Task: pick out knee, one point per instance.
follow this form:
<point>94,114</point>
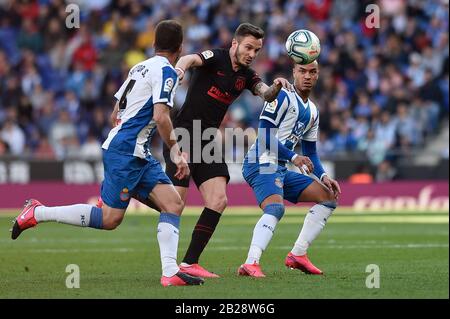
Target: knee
<point>175,206</point>
<point>218,203</point>
<point>111,222</point>
<point>328,201</point>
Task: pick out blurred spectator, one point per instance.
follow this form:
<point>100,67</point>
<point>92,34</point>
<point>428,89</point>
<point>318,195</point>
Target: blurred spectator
<point>385,130</point>
<point>44,149</point>
<point>385,172</point>
<point>63,135</point>
<point>29,37</point>
<point>381,91</point>
<point>85,55</point>
<point>13,135</point>
<point>91,149</point>
<point>374,148</point>
<point>4,148</point>
<point>406,125</point>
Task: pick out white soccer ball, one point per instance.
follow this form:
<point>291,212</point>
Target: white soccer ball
<point>303,46</point>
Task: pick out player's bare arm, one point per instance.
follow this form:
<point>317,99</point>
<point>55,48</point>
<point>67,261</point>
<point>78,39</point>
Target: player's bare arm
<point>162,118</point>
<point>113,117</point>
<point>269,93</point>
<point>186,62</point>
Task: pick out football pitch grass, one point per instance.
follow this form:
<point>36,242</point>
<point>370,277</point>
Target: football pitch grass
<point>410,249</point>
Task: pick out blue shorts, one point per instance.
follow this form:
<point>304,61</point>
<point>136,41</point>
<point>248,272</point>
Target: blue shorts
<point>126,175</point>
<point>266,180</point>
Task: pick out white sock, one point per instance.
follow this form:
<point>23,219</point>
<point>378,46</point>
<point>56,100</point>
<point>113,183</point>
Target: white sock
<point>314,222</point>
<point>262,234</point>
<point>168,236</point>
<point>78,215</point>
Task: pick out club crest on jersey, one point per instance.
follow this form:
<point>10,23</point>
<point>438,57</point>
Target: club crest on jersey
<point>278,182</point>
<point>271,107</point>
<point>299,129</point>
<point>124,195</point>
<point>168,85</point>
<point>240,83</point>
<point>207,54</point>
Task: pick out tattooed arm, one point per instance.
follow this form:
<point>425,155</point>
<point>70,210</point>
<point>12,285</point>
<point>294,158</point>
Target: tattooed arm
<point>269,93</point>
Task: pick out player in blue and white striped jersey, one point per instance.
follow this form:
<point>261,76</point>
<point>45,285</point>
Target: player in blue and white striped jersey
<point>144,102</point>
<point>286,121</point>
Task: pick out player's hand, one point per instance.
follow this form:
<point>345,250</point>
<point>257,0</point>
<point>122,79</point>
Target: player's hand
<point>332,185</point>
<point>282,82</point>
<point>182,166</point>
<point>304,164</point>
<point>180,73</point>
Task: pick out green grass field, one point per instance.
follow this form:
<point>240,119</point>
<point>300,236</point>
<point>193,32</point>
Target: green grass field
<point>411,250</point>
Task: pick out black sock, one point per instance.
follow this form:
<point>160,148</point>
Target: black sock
<point>203,231</point>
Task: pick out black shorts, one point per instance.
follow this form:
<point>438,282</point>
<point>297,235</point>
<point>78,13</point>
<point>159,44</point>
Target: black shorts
<point>200,172</point>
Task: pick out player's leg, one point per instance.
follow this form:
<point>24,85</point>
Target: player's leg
<point>314,222</point>
<point>155,183</point>
<point>115,195</point>
<point>268,189</point>
<point>211,180</point>
<point>168,236</point>
<point>273,208</point>
<point>82,215</point>
<point>214,196</point>
<point>154,202</point>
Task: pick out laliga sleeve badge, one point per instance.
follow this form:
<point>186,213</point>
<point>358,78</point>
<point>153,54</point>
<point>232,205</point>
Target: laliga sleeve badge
<point>168,85</point>
<point>271,107</point>
<point>207,54</point>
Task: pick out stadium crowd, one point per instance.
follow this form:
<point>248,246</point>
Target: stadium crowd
<point>383,92</point>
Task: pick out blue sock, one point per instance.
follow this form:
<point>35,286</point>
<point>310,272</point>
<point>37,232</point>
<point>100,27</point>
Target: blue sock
<point>170,219</point>
<point>96,219</point>
<point>275,209</point>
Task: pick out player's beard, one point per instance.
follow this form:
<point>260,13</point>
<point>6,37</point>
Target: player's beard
<point>237,56</point>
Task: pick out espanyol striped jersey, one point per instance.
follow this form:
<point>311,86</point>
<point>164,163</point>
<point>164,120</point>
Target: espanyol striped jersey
<point>149,82</point>
<point>294,119</point>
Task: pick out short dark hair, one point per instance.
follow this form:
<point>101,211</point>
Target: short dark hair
<point>168,36</point>
<point>246,29</point>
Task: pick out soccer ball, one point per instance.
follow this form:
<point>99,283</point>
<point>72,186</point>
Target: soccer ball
<point>303,46</point>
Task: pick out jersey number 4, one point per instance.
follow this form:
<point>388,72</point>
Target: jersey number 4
<point>123,99</point>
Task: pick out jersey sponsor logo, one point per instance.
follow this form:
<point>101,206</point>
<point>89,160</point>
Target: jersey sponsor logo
<point>168,85</point>
<point>218,95</point>
<point>271,107</point>
<point>207,54</point>
<point>240,83</point>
